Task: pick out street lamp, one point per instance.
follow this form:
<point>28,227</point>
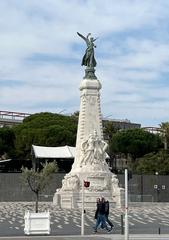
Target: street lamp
<point>157,186</point>
<point>141,187</point>
<point>126,206</point>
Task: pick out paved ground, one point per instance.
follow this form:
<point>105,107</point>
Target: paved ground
<point>142,220</point>
<point>91,237</point>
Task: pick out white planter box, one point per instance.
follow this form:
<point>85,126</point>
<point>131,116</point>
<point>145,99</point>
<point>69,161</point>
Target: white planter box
<point>37,223</point>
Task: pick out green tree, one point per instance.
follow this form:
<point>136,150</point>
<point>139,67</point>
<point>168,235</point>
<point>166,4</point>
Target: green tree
<point>76,114</point>
<point>108,130</point>
<point>165,134</point>
<point>154,162</point>
<point>135,143</point>
<point>44,129</point>
<point>39,180</point>
<point>7,138</point>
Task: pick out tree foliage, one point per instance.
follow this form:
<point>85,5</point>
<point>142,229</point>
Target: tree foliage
<point>38,180</point>
<point>154,162</point>
<point>165,127</point>
<point>49,129</point>
<point>109,130</point>
<point>44,129</point>
<point>7,138</point>
<point>135,142</point>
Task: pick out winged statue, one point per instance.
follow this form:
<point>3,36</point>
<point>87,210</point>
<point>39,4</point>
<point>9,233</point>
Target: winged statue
<point>88,58</point>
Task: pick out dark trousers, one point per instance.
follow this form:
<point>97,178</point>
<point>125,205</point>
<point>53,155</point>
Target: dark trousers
<point>108,221</point>
<point>101,221</point>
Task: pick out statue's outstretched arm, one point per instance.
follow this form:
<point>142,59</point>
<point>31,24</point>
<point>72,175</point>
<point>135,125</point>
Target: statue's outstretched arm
<point>95,39</point>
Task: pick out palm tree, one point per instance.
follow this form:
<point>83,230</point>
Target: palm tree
<point>165,133</point>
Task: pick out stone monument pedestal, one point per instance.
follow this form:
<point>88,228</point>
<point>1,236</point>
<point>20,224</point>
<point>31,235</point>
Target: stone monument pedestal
<point>89,164</point>
<point>99,187</point>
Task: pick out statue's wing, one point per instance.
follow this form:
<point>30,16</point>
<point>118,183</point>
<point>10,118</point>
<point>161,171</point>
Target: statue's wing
<point>80,35</point>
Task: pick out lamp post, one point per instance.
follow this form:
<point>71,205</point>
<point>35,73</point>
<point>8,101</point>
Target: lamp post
<point>157,188</point>
<point>82,216</point>
<point>141,187</point>
<point>85,184</point>
<point>126,206</point>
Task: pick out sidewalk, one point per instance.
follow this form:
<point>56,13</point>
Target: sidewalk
<point>144,223</point>
<point>92,237</point>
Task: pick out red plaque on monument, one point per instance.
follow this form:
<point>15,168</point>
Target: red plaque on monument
<point>86,184</point>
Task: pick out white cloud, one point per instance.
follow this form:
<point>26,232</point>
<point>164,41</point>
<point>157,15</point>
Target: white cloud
<point>132,54</point>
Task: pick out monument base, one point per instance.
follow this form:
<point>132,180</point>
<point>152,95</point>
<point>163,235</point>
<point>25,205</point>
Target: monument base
<point>73,200</point>
<point>102,184</point>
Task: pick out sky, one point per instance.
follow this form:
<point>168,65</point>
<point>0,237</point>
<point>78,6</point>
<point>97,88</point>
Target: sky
<point>41,53</point>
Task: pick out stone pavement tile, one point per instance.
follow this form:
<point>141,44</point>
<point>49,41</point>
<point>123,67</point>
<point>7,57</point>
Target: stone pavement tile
<point>96,237</point>
<point>68,222</point>
<point>91,237</point>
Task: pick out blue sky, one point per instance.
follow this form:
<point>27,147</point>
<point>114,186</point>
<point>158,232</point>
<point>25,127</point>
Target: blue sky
<point>40,56</point>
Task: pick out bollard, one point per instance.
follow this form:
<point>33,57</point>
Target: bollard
<point>159,230</point>
<point>122,225</point>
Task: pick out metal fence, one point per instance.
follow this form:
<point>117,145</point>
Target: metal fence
<point>142,188</point>
<point>147,188</point>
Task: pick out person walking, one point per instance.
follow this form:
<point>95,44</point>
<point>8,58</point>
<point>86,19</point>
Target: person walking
<point>97,207</point>
<point>100,215</point>
<point>107,215</point>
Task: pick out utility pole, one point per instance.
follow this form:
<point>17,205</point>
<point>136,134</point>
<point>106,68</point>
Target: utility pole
<point>85,184</point>
<point>126,206</point>
<point>82,216</point>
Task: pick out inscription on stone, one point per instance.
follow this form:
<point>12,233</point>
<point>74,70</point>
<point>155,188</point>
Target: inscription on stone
<point>96,181</point>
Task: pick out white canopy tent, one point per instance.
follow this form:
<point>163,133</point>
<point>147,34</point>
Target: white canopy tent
<point>5,160</point>
<point>53,152</point>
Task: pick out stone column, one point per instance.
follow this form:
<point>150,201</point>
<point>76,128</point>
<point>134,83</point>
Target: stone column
<point>90,117</point>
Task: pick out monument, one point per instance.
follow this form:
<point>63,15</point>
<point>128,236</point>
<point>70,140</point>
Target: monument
<point>89,163</point>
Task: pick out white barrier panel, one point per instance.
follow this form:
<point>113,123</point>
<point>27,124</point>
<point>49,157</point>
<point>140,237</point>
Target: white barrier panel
<point>37,223</point>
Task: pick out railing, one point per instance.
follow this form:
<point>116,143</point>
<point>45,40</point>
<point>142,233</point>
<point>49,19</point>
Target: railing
<point>140,198</point>
<point>9,118</point>
<point>13,115</point>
